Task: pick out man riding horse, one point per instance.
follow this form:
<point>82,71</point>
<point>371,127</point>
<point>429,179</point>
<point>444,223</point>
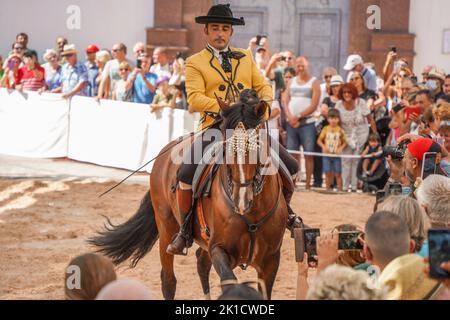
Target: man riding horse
<point>219,72</point>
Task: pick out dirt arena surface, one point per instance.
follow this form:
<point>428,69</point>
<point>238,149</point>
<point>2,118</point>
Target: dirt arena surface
<point>43,224</point>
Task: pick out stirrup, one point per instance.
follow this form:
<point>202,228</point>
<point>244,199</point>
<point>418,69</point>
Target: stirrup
<point>187,244</point>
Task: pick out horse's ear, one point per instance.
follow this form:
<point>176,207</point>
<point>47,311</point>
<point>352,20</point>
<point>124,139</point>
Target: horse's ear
<point>222,104</point>
<point>261,108</point>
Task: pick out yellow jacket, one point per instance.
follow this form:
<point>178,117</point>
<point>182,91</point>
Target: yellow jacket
<point>203,81</point>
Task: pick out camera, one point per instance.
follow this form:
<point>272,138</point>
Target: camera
<point>283,58</point>
<point>349,240</point>
<point>396,152</point>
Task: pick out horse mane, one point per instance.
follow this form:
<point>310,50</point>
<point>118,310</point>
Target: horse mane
<point>247,110</point>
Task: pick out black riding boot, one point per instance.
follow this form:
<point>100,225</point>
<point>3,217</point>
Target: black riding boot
<point>183,239</point>
<point>293,221</point>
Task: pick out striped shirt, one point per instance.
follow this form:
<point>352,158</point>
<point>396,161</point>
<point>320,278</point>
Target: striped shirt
<point>27,78</point>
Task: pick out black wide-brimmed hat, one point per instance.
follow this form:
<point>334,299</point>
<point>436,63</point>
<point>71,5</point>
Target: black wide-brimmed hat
<point>220,13</point>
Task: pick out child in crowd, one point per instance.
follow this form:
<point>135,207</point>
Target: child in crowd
<point>332,141</point>
<point>166,95</point>
<point>375,160</point>
<point>123,89</point>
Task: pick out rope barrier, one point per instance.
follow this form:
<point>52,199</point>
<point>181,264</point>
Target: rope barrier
<point>332,155</point>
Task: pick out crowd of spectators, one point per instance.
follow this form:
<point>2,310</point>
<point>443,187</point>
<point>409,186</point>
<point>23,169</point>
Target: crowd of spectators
<point>322,116</point>
<point>367,112</point>
<point>97,73</point>
<point>392,264</point>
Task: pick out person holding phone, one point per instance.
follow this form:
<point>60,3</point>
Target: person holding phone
<point>31,77</point>
<point>11,73</point>
<point>143,81</point>
<point>408,170</point>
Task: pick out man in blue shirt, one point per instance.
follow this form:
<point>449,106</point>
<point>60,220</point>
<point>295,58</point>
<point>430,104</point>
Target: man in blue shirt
<point>92,70</point>
<point>74,75</point>
<point>356,63</point>
<point>144,82</point>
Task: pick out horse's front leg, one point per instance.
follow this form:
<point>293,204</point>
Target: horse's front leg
<point>222,264</point>
<point>268,272</point>
<point>203,269</point>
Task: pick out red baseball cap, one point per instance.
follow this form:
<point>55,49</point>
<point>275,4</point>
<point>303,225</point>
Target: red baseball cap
<point>420,146</point>
<point>92,48</point>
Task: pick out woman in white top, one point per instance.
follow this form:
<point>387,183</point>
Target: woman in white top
<point>355,119</point>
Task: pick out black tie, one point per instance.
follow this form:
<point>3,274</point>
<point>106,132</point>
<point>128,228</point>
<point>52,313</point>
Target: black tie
<point>226,56</point>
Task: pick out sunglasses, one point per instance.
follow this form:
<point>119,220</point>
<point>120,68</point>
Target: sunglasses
<point>328,77</point>
<point>124,69</point>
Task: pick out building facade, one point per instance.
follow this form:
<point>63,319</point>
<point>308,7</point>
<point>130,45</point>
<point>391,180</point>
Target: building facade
<point>325,31</point>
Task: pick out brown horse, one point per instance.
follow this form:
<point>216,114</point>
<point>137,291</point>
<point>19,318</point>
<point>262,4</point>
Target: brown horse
<point>245,223</point>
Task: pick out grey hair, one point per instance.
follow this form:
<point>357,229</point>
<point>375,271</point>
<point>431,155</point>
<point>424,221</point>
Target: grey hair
<point>412,213</point>
<point>343,283</point>
<point>331,70</point>
<point>434,193</point>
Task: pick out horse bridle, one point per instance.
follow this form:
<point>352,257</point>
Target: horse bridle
<point>252,227</point>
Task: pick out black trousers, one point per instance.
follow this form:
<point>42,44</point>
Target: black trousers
<point>189,165</point>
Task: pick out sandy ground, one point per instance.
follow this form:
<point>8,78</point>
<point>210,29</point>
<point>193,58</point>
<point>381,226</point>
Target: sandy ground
<point>43,224</point>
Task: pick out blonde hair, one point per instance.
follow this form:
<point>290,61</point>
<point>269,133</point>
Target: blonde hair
<point>125,64</point>
<point>103,56</point>
<point>95,271</point>
<point>343,283</point>
<point>409,211</point>
<point>442,111</point>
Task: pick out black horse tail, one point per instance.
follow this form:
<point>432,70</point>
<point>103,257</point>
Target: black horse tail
<point>134,238</point>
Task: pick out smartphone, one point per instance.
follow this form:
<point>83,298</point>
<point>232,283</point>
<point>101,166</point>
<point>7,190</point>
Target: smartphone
<point>438,252</point>
<point>305,240</point>
<point>395,189</point>
<point>310,244</point>
<point>349,240</point>
<point>258,40</point>
<point>11,64</point>
<point>410,110</point>
<point>394,49</point>
<point>428,164</point>
<point>398,107</point>
<point>139,63</point>
<point>380,195</point>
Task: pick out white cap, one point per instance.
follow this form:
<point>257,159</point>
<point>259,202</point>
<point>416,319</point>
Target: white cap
<point>352,61</point>
<point>336,80</point>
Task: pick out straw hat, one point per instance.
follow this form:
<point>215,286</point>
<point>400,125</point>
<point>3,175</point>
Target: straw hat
<point>406,279</point>
<point>69,49</point>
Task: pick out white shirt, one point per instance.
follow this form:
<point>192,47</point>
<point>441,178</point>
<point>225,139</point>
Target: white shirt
<point>161,71</point>
<point>217,52</point>
<point>301,97</point>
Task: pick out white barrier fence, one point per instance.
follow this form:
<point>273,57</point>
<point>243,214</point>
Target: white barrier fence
<point>109,133</point>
